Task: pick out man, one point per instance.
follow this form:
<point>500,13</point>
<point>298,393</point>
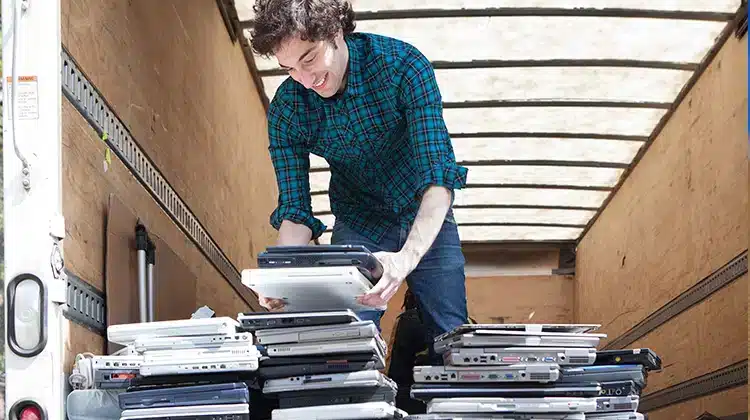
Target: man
<point>369,105</point>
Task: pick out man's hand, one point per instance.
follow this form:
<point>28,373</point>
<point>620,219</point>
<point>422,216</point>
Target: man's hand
<point>272,304</point>
<point>396,266</point>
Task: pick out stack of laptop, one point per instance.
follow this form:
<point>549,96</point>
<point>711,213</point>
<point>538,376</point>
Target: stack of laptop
<point>192,369</point>
<point>529,371</point>
<point>322,365</point>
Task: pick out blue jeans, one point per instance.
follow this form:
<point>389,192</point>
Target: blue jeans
<point>438,282</point>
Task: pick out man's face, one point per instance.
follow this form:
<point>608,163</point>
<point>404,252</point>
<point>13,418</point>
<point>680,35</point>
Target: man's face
<point>315,65</point>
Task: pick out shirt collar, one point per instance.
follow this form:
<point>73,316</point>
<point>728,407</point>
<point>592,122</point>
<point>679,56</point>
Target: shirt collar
<point>355,83</point>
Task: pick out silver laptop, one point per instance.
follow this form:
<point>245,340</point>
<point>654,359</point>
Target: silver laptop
<point>610,404</point>
<point>491,338</point>
<point>487,374</point>
<point>207,412</point>
<point>515,416</point>
<point>360,411</point>
<point>529,328</point>
<point>615,416</point>
<point>512,405</point>
<point>470,356</point>
<point>360,329</point>
<point>359,379</point>
<point>374,345</point>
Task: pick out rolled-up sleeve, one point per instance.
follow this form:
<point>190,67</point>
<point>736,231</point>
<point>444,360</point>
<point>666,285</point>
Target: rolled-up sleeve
<point>428,135</point>
<point>291,163</point>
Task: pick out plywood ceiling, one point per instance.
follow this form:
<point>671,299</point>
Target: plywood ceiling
<point>549,102</point>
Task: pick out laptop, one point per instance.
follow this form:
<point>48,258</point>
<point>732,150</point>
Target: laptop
<point>497,338</point>
<point>614,404</point>
<point>357,345</point>
<point>125,334</point>
<point>515,416</point>
<point>511,405</point>
<point>360,379</point>
<point>347,395</point>
<point>616,416</point>
<point>645,357</point>
<point>283,367</point>
<point>146,344</point>
<point>229,393</point>
<point>472,356</point>
<point>529,328</point>
<point>231,349</point>
<point>426,392</point>
<point>323,256</point>
<point>487,374</point>
<point>352,330</point>
<point>258,321</point>
<point>619,388</point>
<point>193,412</point>
<point>609,373</point>
<point>362,411</point>
<point>200,363</point>
<point>310,289</point>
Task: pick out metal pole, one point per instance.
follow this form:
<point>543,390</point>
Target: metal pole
<point>141,243</point>
<point>150,261</point>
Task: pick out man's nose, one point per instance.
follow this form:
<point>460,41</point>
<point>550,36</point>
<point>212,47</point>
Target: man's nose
<point>307,79</point>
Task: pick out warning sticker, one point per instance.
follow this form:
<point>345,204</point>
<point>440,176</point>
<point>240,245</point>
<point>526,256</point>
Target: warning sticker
<point>27,97</point>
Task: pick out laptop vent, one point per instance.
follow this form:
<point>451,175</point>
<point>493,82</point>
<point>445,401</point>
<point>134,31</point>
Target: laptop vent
<point>578,360</point>
<point>539,376</point>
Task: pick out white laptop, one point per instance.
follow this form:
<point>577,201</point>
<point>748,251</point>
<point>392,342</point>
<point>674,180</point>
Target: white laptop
<point>310,288</point>
<point>200,363</point>
<point>353,330</point>
<point>145,344</point>
<point>125,334</point>
<point>360,411</point>
<point>229,349</point>
<point>512,405</point>
<point>195,412</point>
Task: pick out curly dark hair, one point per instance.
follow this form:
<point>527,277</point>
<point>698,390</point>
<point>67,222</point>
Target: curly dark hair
<point>312,20</point>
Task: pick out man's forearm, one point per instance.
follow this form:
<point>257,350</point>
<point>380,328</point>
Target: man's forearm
<point>435,203</point>
<point>291,233</point>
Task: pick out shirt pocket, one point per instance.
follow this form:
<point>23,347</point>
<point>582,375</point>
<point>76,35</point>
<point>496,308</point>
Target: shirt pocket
<point>374,120</point>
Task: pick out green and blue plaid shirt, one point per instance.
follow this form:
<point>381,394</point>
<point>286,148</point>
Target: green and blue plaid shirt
<point>383,137</point>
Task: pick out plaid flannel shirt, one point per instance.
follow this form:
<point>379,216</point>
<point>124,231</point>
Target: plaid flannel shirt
<point>383,137</point>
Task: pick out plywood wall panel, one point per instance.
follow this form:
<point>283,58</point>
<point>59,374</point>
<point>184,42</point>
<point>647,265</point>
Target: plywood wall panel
<point>170,71</point>
<point>705,338</point>
<point>521,299</point>
<point>681,214</point>
<point>86,190</point>
<point>726,403</point>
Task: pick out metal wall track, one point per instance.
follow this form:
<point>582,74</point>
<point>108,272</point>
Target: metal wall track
<point>94,108</point>
<point>696,294</point>
<point>728,377</point>
<point>86,305</point>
